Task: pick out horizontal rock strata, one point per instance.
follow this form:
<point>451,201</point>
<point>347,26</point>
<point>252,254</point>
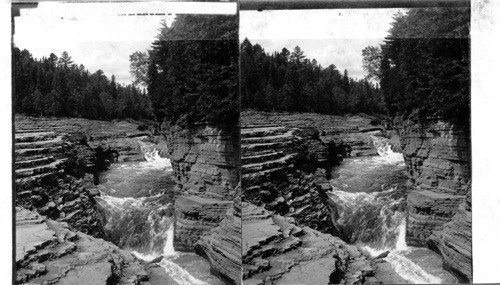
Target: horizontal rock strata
<point>205,162</point>
<point>438,162</point>
<point>49,252</point>
<point>287,224</point>
<point>277,251</point>
<point>454,242</point>
<point>57,163</point>
<point>351,135</point>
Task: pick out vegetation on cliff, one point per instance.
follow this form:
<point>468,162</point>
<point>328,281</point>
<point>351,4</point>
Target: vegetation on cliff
<point>424,64</point>
<point>193,70</point>
<point>58,87</point>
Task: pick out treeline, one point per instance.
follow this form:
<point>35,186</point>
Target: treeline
<point>288,81</point>
<point>58,87</point>
<point>192,74</point>
<point>424,64</point>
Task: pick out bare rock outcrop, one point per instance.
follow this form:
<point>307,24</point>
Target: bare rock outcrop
<point>438,162</point>
<point>57,161</point>
<point>349,135</point>
<point>205,162</point>
<point>453,242</point>
<point>278,251</point>
<point>49,252</point>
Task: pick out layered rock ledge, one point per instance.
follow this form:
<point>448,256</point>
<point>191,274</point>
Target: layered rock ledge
<point>49,252</point>
<point>57,161</point>
<point>205,162</point>
<point>287,219</point>
<point>438,162</point>
<point>278,251</point>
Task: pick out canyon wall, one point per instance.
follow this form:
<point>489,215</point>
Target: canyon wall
<point>57,162</point>
<point>205,162</point>
<point>58,223</point>
<point>437,157</point>
<point>50,252</point>
<point>287,221</point>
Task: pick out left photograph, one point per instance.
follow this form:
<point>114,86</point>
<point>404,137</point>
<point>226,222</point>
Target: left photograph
<point>126,152</point>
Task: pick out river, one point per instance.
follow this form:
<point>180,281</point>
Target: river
<point>369,194</point>
<point>137,199</point>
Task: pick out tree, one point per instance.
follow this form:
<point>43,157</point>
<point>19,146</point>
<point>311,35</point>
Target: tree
<point>284,82</point>
<point>65,60</point>
<point>425,65</point>
<point>193,70</point>
<point>297,55</point>
<point>371,62</point>
<point>58,87</point>
<point>139,67</point>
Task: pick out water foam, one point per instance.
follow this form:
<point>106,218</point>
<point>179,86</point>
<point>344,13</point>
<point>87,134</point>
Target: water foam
<point>179,274</point>
<point>173,270</point>
<point>390,232</point>
<point>385,152</point>
<point>153,158</point>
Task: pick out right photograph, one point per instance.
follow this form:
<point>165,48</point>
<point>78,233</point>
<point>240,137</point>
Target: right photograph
<point>356,146</point>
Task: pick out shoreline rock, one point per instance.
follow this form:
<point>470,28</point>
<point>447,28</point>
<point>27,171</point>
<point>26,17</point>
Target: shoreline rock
<point>438,160</point>
<point>49,251</point>
<point>205,162</point>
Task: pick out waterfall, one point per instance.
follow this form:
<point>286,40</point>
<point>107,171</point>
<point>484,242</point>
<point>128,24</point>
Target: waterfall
<point>385,152</point>
<point>369,198</point>
<point>152,156</point>
<point>137,199</point>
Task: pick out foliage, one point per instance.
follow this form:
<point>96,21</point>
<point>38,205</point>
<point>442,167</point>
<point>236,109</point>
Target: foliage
<point>193,70</point>
<point>425,64</point>
<point>139,67</point>
<point>57,87</point>
<point>371,61</point>
<point>284,81</point>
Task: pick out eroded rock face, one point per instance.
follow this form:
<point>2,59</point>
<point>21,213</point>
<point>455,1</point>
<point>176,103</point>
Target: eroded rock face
<point>223,248</point>
<point>287,224</point>
<point>437,158</point>
<point>278,251</point>
<point>205,162</point>
<point>350,135</point>
<point>57,162</point>
<point>49,252</point>
<point>272,156</point>
<point>454,242</point>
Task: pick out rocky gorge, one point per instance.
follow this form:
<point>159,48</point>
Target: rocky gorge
<point>205,161</point>
<point>287,163</point>
<point>438,161</point>
<point>59,165</point>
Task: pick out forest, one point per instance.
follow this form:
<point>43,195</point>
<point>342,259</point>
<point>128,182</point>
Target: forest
<point>424,64</point>
<point>56,86</point>
<point>288,81</point>
<point>192,75</point>
<point>421,69</point>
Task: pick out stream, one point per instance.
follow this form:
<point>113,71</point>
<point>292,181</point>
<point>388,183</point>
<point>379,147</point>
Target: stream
<point>137,199</point>
<point>369,194</point>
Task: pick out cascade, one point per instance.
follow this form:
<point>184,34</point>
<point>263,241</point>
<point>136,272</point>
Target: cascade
<point>137,200</point>
<point>369,197</point>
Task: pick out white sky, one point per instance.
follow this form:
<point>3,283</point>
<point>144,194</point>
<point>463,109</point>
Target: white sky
<point>95,36</point>
<point>329,36</point>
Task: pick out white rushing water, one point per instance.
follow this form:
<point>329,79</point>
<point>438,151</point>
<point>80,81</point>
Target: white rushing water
<point>145,223</point>
<point>377,221</point>
<point>176,272</point>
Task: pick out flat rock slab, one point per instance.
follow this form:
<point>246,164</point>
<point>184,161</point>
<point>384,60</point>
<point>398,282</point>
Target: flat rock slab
<point>48,252</point>
<point>315,272</point>
<point>32,234</point>
<point>98,273</point>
